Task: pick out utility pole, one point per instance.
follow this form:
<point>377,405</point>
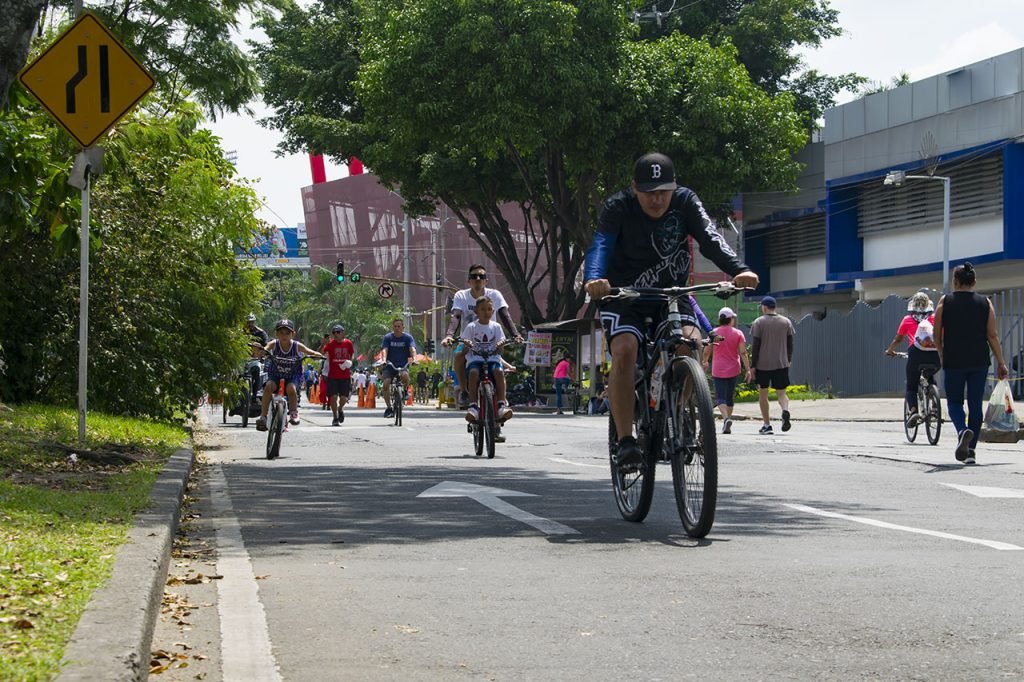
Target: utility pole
<point>433,292</point>
<point>406,292</point>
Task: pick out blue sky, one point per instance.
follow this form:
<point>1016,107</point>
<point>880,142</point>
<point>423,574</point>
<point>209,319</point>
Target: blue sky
<point>882,39</point>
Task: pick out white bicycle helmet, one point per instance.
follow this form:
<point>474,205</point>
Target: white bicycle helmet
<point>920,306</point>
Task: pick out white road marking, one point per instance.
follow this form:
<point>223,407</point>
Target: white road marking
<point>985,491</point>
<point>490,498</point>
<point>577,464</point>
<point>245,641</point>
<point>892,526</point>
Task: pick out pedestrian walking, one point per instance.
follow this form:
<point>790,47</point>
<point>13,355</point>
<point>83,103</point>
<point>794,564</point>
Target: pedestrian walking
<point>772,355</point>
<point>562,379</point>
<point>965,330</point>
<point>729,361</point>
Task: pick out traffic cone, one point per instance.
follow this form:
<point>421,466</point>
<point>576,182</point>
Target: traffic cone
<point>362,398</point>
<point>408,401</point>
<point>314,394</point>
<point>371,397</point>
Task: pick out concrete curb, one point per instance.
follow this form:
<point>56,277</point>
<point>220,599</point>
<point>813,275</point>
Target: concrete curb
<point>113,637</point>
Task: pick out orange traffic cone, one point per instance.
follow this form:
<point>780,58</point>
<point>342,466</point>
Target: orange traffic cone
<point>362,398</point>
<point>314,394</point>
<point>408,400</point>
<point>371,397</point>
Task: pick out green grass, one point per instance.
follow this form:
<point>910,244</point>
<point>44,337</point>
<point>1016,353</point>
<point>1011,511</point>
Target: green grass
<point>61,523</point>
<point>748,393</point>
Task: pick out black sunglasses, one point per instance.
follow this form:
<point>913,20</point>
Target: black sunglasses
<point>478,275</point>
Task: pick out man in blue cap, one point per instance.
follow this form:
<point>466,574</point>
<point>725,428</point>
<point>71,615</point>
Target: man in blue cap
<point>771,357</point>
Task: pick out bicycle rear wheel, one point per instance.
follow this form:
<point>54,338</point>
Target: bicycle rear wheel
<point>693,446</point>
<point>275,429</point>
<point>933,414</point>
<point>911,431</point>
<point>488,417</point>
<point>246,398</point>
<point>634,490</point>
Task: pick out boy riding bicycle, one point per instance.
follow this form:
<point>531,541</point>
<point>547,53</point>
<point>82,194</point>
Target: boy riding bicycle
<point>285,364</point>
<point>485,335</point>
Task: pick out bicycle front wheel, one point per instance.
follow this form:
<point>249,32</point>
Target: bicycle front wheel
<point>693,446</point>
<point>933,414</point>
<point>634,489</point>
<point>275,430</point>
<point>488,417</point>
<point>246,399</point>
<point>396,402</point>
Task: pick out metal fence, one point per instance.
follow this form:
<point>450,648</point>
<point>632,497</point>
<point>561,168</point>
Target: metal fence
<point>842,353</point>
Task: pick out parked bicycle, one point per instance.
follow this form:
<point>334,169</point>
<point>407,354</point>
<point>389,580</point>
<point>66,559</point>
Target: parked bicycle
<point>245,399</point>
<point>929,407</point>
<point>277,421</point>
<point>674,419</point>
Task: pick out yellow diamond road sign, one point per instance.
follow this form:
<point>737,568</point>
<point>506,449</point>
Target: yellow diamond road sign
<point>86,79</point>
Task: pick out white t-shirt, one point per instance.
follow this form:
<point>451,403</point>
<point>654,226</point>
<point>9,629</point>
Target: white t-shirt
<point>484,337</point>
<point>465,302</point>
<point>360,380</point>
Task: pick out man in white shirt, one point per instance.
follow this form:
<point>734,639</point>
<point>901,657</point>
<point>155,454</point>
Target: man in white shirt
<point>464,312</point>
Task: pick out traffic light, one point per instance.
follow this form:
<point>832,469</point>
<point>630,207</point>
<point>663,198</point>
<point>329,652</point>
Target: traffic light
<point>355,277</point>
<point>429,346</point>
<point>341,271</point>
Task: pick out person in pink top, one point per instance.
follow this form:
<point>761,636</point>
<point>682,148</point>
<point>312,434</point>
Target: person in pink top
<point>729,361</point>
<point>918,328</point>
<point>562,377</point>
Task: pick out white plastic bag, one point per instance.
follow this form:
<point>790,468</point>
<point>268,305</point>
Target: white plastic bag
<point>1001,415</point>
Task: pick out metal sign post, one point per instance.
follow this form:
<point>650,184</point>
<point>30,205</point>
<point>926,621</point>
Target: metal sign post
<point>83,313</point>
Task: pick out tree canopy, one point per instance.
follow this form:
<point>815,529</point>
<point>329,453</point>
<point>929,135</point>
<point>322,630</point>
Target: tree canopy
<point>542,103</point>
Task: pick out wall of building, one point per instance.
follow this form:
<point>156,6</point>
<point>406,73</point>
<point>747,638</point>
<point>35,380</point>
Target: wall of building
<point>902,248</point>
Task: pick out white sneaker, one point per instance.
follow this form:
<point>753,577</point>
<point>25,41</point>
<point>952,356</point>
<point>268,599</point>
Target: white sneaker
<point>473,413</point>
<point>504,413</point>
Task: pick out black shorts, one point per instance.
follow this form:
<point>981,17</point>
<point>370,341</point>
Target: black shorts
<point>339,386</point>
<point>389,372</point>
<point>630,316</point>
<point>773,378</point>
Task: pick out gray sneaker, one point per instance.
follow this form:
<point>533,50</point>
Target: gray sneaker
<point>963,446</point>
<point>786,426</point>
<point>727,426</point>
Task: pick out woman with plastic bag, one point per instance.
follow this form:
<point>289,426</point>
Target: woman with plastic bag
<point>965,330</point>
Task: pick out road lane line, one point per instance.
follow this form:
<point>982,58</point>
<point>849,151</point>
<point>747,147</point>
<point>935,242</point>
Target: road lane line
<point>986,491</point>
<point>892,526</point>
<point>577,464</point>
<point>245,641</point>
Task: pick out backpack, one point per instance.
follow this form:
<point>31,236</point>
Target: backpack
<point>924,338</point>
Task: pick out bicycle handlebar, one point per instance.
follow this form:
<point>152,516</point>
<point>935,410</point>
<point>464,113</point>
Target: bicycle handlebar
<point>722,290</point>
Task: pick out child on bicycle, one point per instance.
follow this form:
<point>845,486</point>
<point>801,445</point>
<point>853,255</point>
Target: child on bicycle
<point>485,335</point>
<point>285,364</point>
<point>918,328</point>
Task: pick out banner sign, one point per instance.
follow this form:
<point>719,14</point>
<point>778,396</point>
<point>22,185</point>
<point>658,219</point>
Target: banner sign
<point>286,247</point>
<point>538,349</point>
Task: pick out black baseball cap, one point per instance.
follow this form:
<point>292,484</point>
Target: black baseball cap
<point>653,172</point>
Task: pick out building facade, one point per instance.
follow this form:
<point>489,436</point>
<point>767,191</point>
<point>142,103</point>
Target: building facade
<point>847,236</point>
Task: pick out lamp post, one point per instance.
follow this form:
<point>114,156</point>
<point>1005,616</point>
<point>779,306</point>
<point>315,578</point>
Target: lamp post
<point>897,178</point>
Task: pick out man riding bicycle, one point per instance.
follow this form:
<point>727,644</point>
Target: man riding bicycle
<point>464,311</point>
<point>399,348</point>
<point>641,241</point>
<point>285,364</point>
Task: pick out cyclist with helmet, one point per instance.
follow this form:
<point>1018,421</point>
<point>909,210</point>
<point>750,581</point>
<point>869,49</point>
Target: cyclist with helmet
<point>285,364</point>
<point>917,327</point>
<point>259,336</point>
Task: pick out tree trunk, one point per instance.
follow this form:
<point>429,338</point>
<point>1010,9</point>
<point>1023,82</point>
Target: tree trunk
<point>19,20</point>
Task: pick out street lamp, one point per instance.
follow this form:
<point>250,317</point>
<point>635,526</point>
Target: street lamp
<point>897,178</point>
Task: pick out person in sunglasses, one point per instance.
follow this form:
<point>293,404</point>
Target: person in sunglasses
<point>464,312</point>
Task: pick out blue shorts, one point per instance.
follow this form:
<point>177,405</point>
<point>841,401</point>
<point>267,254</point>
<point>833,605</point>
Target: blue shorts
<point>495,366</point>
<point>725,390</point>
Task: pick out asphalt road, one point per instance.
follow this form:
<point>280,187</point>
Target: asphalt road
<point>834,555</point>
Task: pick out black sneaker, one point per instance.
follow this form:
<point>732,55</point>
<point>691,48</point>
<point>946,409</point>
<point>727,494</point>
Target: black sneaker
<point>963,446</point>
<point>389,413</point>
<point>914,419</point>
<point>334,422</point>
<point>727,426</point>
<point>970,458</point>
<point>628,454</point>
<point>766,430</point>
<point>786,426</point>
<point>261,423</point>
<point>341,417</point>
<point>463,400</point>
